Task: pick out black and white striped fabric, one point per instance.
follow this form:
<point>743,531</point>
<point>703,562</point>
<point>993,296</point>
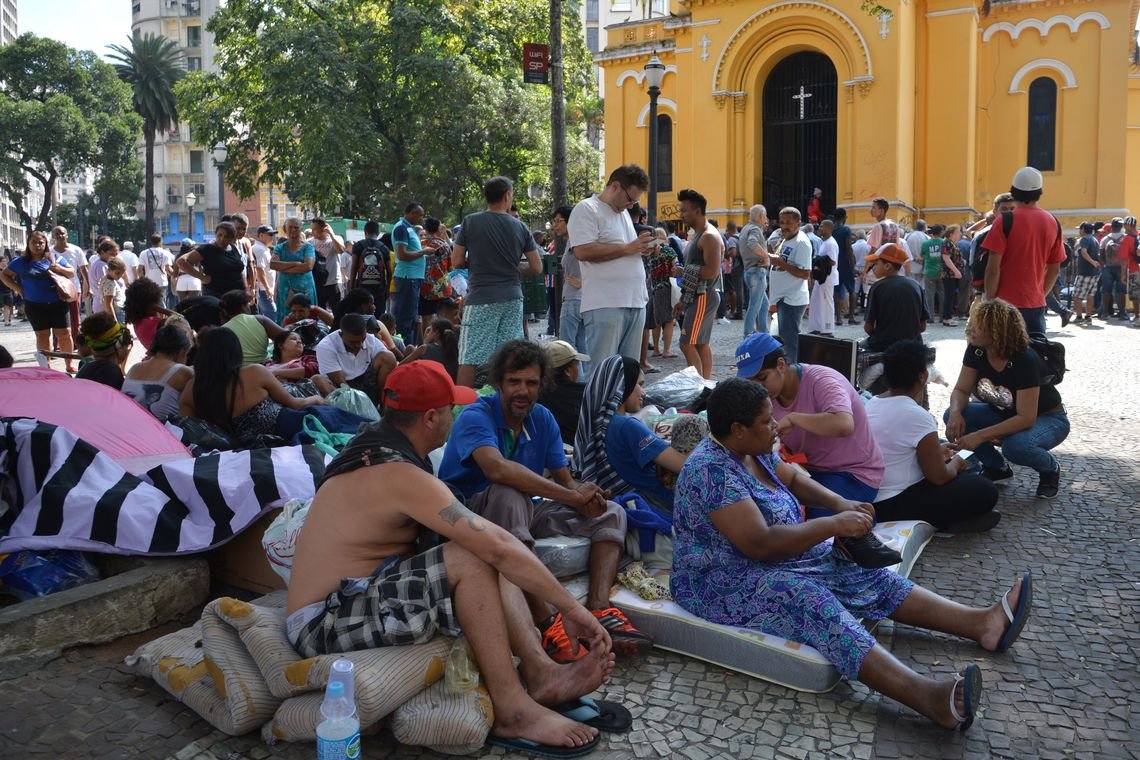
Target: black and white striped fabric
<point>60,492</point>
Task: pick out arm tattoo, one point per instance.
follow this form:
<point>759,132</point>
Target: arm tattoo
<point>454,512</point>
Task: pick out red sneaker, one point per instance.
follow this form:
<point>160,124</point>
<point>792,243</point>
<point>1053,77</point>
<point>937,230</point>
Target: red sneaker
<point>557,643</point>
<point>627,640</point>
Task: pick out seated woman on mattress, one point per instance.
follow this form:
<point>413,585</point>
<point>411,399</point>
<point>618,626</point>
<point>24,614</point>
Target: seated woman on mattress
<point>744,556</point>
<point>248,401</point>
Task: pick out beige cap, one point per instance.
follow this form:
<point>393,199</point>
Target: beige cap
<point>562,353</point>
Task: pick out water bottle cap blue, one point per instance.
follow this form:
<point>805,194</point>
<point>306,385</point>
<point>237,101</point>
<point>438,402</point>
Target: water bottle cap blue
<point>335,690</point>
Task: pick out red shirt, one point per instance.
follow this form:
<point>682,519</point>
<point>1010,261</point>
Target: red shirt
<point>1128,251</point>
<point>1034,243</point>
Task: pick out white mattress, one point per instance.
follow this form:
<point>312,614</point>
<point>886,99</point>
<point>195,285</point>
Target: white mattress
<point>759,655</point>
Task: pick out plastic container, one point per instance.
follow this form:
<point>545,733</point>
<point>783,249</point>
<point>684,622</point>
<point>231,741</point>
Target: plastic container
<point>338,735</point>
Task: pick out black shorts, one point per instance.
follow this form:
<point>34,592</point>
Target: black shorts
<point>47,316</point>
<point>7,298</point>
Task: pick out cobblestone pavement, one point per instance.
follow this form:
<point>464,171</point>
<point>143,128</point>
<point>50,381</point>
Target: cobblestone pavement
<point>1070,688</point>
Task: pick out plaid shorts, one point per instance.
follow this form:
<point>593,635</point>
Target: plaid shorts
<point>402,603</point>
<point>1134,286</point>
<point>1084,286</point>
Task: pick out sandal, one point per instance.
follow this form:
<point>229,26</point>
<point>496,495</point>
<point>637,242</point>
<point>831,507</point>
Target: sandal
<point>971,681</point>
<point>1018,617</point>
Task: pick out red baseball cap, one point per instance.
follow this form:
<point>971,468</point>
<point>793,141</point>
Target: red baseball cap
<point>422,385</point>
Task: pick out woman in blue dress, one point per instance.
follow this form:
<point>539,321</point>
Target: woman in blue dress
<point>744,556</point>
<point>293,261</point>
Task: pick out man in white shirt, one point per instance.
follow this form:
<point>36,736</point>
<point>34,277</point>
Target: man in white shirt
<point>861,249</point>
<point>131,259</point>
<point>602,237</point>
<point>264,277</point>
<point>791,268</point>
<point>157,265</point>
<point>328,247</point>
<point>350,355</point>
<point>914,243</point>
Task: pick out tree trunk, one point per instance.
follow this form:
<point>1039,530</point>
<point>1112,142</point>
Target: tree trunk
<point>148,139</point>
<point>557,108</point>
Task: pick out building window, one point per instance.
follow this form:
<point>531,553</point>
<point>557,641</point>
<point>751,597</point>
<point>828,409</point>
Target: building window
<point>1043,124</point>
<point>664,153</point>
<point>591,10</point>
<point>621,5</point>
<point>197,161</point>
<point>193,36</point>
<point>136,8</point>
<point>660,7</point>
<point>193,63</point>
<point>592,39</point>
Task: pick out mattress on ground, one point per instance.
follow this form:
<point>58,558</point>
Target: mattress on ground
<point>759,655</point>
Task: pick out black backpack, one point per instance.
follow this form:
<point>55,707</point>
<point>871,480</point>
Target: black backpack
<point>1053,356</point>
<point>978,268</point>
<point>821,267</point>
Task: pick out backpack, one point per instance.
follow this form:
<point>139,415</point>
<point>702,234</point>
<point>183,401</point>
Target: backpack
<point>320,269</point>
<point>821,267</point>
<point>1110,250</point>
<point>373,273</point>
<point>1053,356</point>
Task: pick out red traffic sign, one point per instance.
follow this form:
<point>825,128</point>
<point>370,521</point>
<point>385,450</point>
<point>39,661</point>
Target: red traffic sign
<point>536,63</point>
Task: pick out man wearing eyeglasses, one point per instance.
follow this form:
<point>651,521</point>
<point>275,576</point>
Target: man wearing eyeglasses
<point>603,239</point>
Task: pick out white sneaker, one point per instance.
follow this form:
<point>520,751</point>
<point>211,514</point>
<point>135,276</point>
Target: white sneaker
<point>723,321</point>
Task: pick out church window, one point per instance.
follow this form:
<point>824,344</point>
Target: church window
<point>592,39</point>
<point>591,10</point>
<point>664,153</point>
<point>1043,124</point>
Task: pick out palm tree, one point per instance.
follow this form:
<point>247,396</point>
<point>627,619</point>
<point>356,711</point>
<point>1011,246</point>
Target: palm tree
<point>151,66</point>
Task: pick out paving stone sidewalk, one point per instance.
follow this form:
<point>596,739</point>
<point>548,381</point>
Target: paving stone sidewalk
<point>1070,688</point>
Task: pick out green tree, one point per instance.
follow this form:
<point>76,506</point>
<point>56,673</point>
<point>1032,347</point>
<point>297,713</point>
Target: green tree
<point>62,110</point>
<point>151,66</point>
<point>394,99</point>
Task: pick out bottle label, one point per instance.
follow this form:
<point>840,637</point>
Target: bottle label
<point>339,749</point>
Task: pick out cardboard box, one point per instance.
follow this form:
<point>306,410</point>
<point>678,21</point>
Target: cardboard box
<point>242,561</point>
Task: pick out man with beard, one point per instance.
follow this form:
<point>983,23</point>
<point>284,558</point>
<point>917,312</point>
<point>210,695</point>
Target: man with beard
<point>496,456</point>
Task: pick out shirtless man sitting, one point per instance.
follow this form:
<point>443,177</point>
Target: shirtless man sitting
<point>358,581</point>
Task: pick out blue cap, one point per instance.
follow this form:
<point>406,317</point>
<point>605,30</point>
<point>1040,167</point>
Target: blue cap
<point>751,353</point>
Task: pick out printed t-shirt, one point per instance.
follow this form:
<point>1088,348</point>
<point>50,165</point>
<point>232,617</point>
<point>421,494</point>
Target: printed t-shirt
<point>631,448</point>
<point>154,262</point>
<point>1034,243</point>
<point>1023,370</point>
<point>932,257</point>
<point>538,448</point>
<point>495,245</point>
<point>404,233</point>
<point>784,286</point>
<point>898,424</point>
<point>822,389</point>
<point>618,283</point>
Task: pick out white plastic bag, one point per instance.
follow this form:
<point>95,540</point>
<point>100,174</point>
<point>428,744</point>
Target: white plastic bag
<point>280,539</point>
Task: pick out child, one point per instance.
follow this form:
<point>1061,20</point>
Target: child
<point>442,342</point>
<point>399,348</point>
<point>113,288</point>
<point>143,308</point>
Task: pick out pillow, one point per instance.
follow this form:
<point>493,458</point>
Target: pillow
<point>451,722</point>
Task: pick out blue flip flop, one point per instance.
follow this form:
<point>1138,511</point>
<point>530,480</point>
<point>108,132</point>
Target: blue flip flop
<point>529,747</point>
<point>1017,618</point>
<point>971,682</point>
<point>596,713</point>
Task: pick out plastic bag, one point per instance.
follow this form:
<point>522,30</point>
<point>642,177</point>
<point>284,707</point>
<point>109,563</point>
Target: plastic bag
<point>280,538</point>
<point>458,283</point>
<point>460,671</point>
<point>680,389</point>
<point>351,400</point>
<point>29,574</point>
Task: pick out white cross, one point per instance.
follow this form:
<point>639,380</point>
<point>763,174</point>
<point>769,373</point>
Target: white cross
<point>705,42</point>
<point>802,97</point>
<point>884,20</point>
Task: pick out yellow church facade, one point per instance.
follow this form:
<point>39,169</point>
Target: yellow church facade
<point>932,104</point>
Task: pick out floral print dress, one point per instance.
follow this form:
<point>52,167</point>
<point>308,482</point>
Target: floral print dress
<point>815,598</point>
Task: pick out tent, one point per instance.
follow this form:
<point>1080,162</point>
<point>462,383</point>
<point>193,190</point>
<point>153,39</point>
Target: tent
<point>109,420</point>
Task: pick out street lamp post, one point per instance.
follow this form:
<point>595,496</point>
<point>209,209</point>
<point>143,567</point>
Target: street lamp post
<point>191,199</point>
<point>654,74</point>
<point>220,153</point>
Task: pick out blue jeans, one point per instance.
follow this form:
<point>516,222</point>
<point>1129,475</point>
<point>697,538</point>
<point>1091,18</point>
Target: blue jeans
<point>406,308</point>
<point>1027,447</point>
<point>266,306</point>
<point>757,319</point>
<point>610,331</point>
<point>1034,319</point>
<point>570,324</point>
<point>790,318</point>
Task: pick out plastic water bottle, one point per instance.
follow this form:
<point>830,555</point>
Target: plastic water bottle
<point>338,735</point>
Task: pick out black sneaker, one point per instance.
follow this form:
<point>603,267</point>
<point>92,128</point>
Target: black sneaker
<point>866,551</point>
<point>1066,317</point>
<point>996,475</point>
<point>1047,485</point>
